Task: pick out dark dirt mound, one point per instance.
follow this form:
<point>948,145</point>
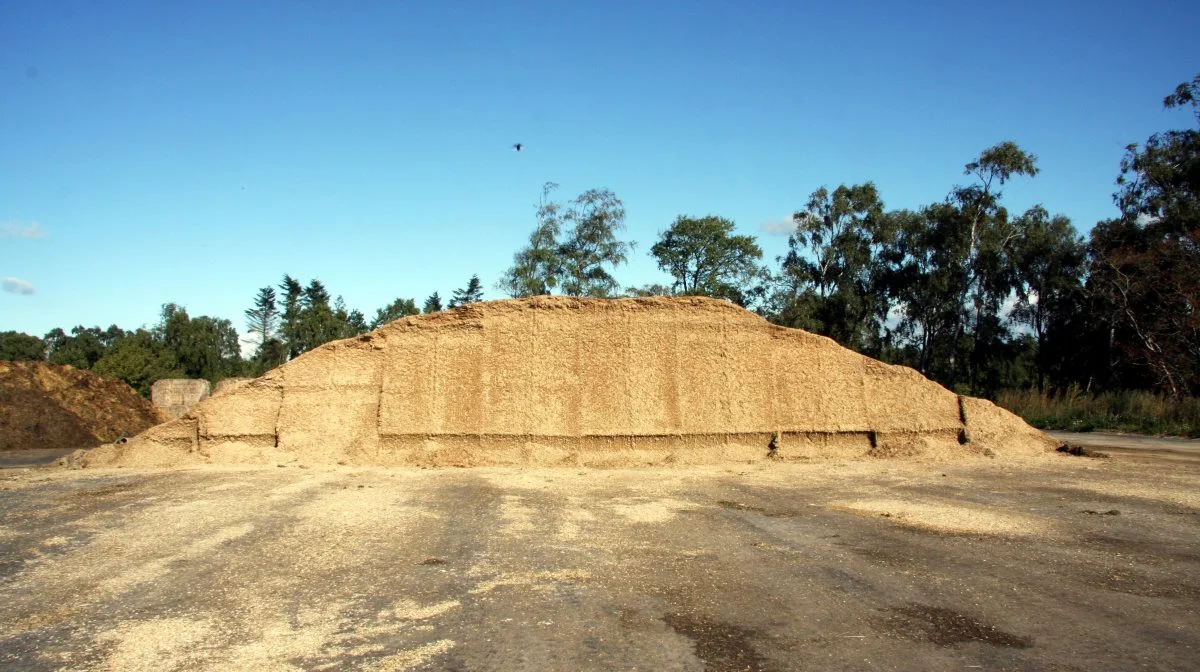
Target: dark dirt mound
<point>45,405</point>
<point>1079,451</point>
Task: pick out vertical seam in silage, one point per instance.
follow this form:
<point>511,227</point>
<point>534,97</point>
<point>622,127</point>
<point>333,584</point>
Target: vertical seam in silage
<point>578,390</point>
<point>772,384</point>
<point>867,411</point>
<point>379,398</point>
<point>674,417</point>
<point>627,391</point>
<point>279,410</point>
<point>436,420</point>
<point>381,373</point>
<point>485,378</point>
<point>964,436</point>
<point>727,380</point>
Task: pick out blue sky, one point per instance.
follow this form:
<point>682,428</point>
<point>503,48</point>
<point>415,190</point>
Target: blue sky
<point>155,152</point>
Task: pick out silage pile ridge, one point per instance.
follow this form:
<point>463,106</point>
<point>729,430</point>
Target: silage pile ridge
<point>50,406</point>
<point>557,380</point>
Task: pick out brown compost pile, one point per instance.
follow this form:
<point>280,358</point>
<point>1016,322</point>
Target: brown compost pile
<point>46,406</point>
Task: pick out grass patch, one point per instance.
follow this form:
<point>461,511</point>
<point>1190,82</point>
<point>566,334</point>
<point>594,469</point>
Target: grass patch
<point>1132,411</point>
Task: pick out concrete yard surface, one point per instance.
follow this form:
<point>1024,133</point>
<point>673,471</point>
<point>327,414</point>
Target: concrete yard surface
<point>1055,563</point>
<point>1163,447</point>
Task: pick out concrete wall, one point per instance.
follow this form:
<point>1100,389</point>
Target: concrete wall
<point>174,396</point>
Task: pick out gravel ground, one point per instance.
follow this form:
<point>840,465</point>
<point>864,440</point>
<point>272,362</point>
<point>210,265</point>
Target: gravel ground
<point>1062,563</point>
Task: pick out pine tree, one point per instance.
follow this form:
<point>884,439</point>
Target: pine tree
<point>433,304</point>
<point>394,311</point>
<point>470,294</point>
<point>262,321</point>
<point>290,326</point>
<point>319,322</point>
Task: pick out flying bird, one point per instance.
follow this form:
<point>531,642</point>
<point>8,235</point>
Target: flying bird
<point>518,147</point>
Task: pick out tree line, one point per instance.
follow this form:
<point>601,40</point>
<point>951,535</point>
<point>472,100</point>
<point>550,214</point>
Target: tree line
<point>280,327</point>
<point>972,295</point>
<point>286,325</point>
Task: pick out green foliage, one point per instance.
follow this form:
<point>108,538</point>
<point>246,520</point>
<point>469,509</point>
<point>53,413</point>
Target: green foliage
<point>831,277</point>
<point>353,322</point>
<point>578,265</point>
<point>921,278</point>
<point>263,322</point>
<point>262,319</point>
<point>653,289</point>
<point>394,311</point>
<point>15,345</point>
<point>268,356</point>
<point>932,288</point>
<point>308,320</point>
<point>433,304</point>
<point>470,294</point>
<point>1144,275</point>
<point>203,347</point>
<point>1048,263</point>
<point>179,346</point>
<point>982,232</point>
<point>139,360</point>
<point>998,164</point>
<point>1146,285</point>
<point>1187,93</point>
<point>592,245</point>
<point>1123,411</point>
<point>83,348</point>
<point>317,323</point>
<point>292,292</point>
<point>1161,181</point>
<point>705,259</point>
<point>315,295</point>
<point>537,269</point>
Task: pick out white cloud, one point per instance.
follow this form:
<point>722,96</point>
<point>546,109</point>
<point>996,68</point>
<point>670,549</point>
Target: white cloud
<point>780,226</point>
<point>21,230</point>
<point>247,347</point>
<point>18,286</point>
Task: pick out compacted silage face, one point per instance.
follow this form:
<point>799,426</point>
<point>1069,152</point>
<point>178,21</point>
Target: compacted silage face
<point>577,381</point>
